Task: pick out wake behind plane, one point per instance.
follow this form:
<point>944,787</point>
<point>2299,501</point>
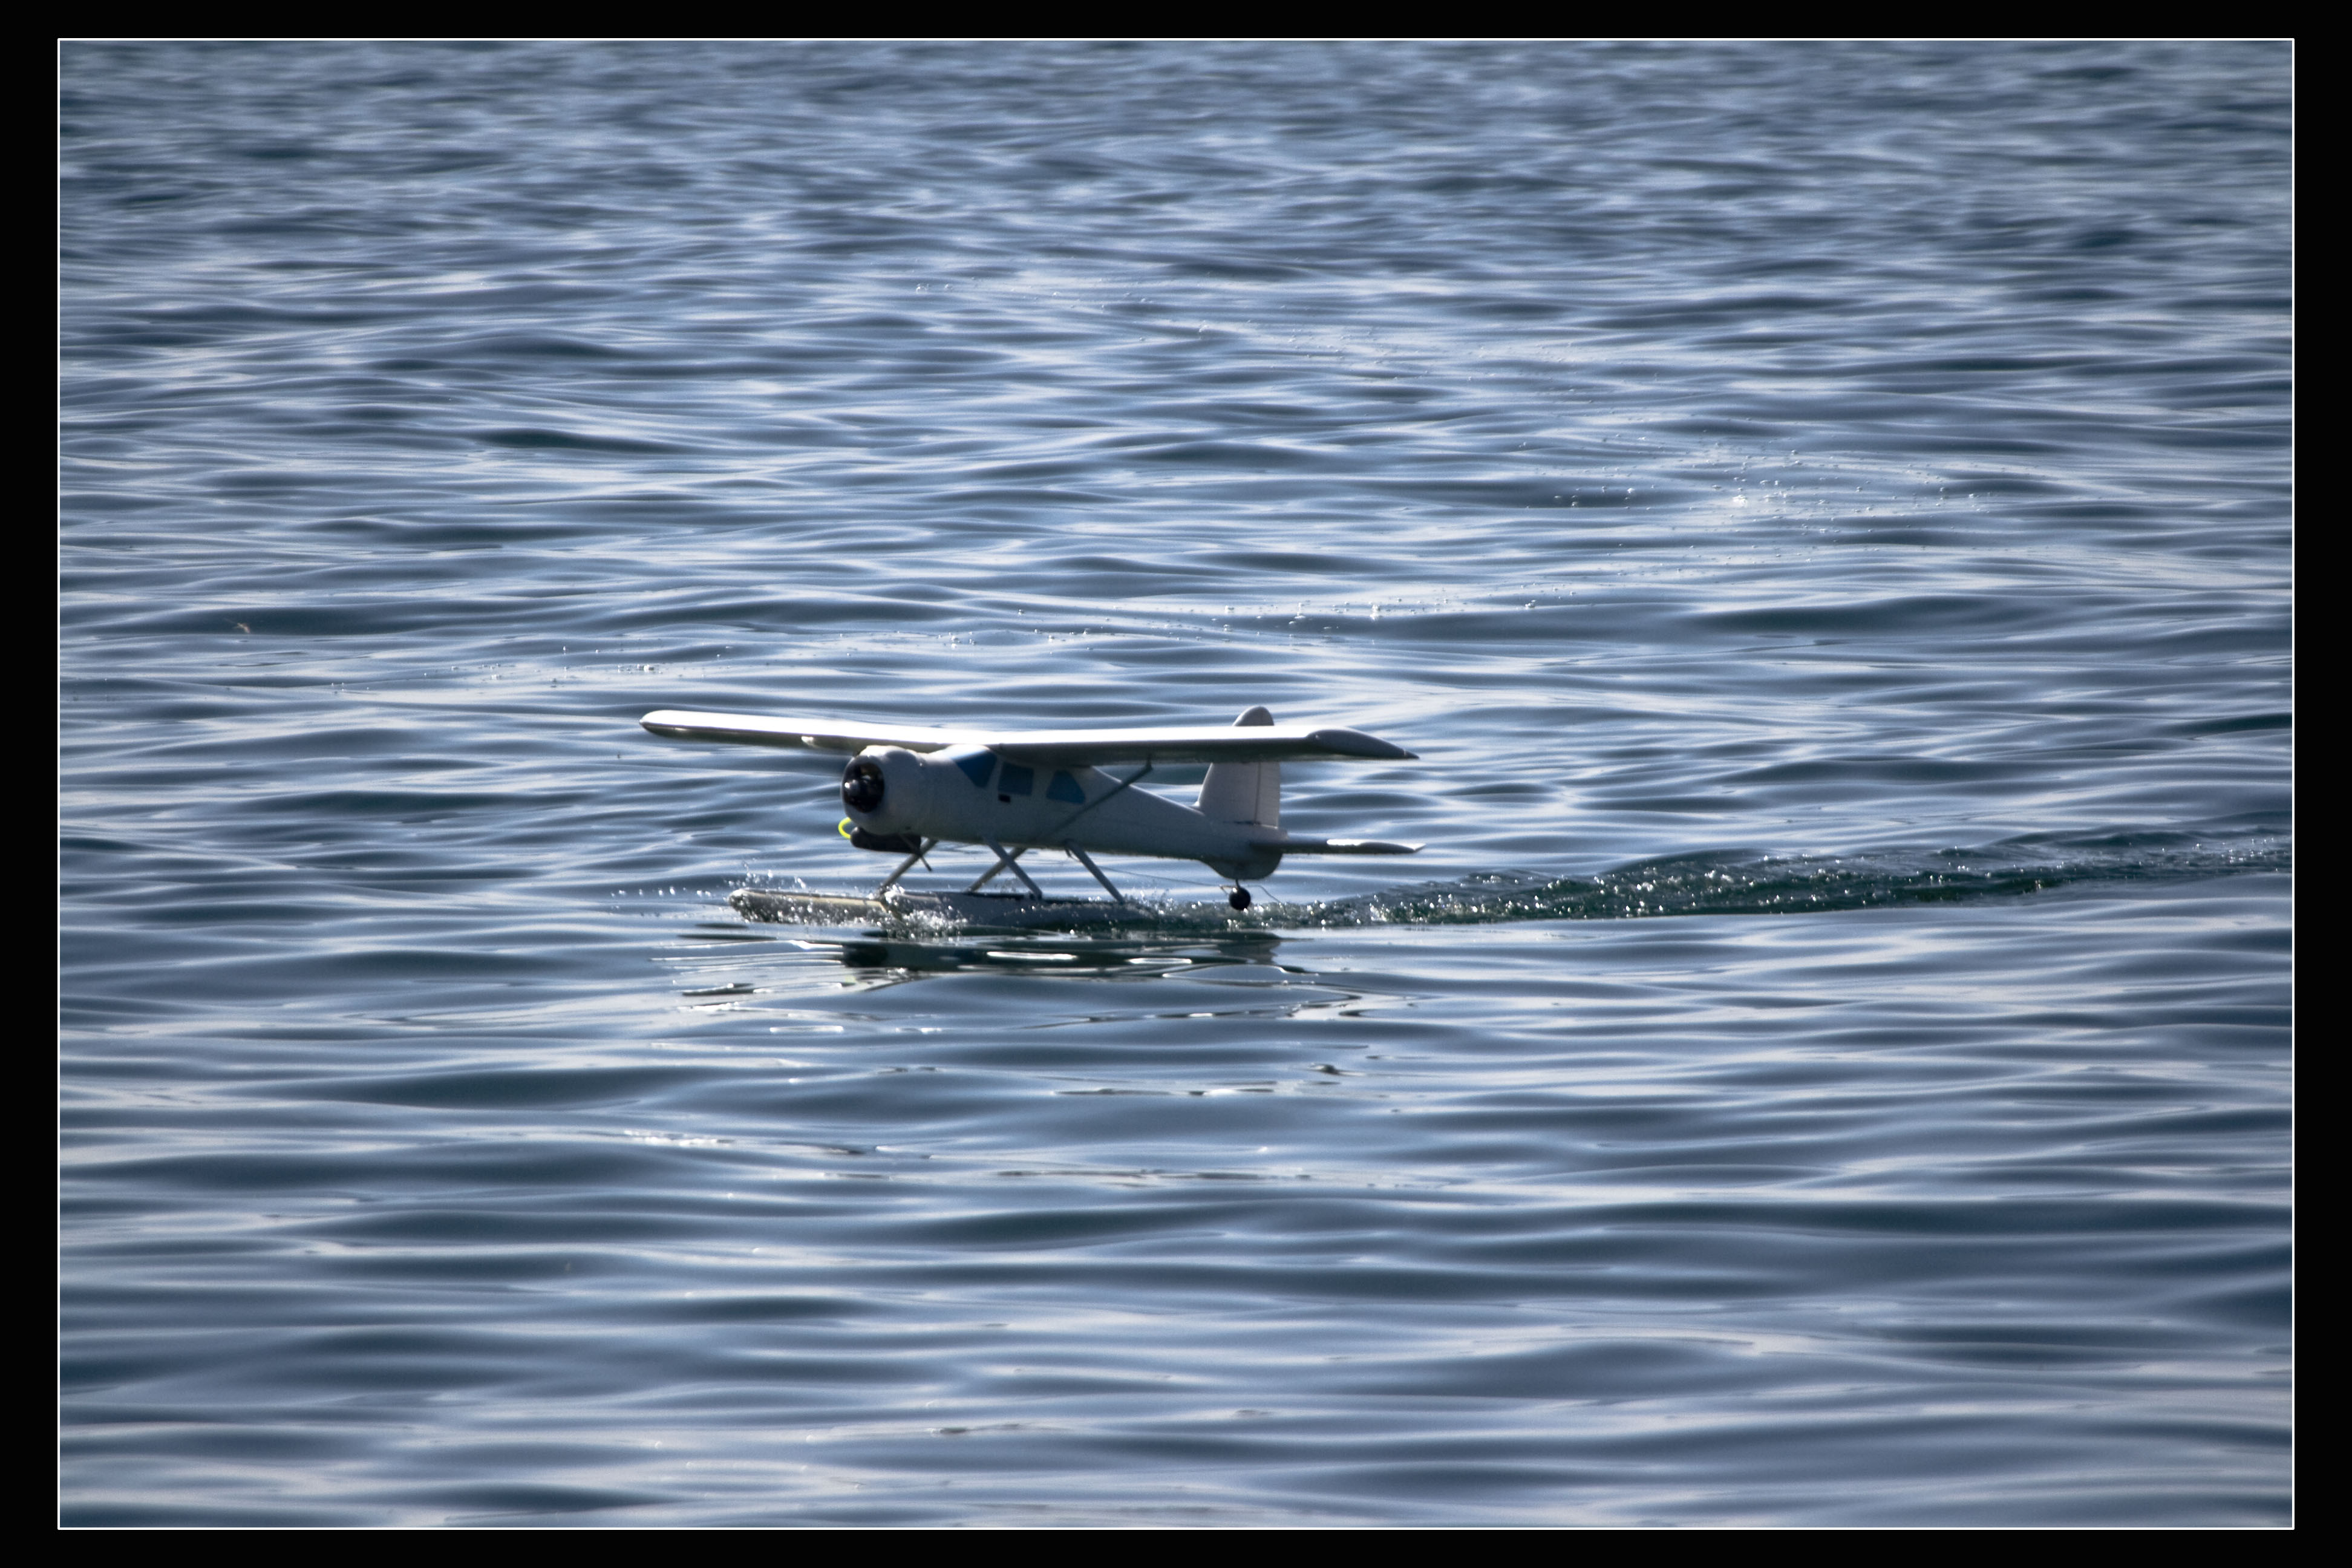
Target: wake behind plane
<point>909,791</point>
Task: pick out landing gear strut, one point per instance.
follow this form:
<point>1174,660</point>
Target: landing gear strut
<point>1239,898</point>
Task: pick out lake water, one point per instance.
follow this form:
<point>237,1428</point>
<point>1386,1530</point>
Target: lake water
<point>1821,514</point>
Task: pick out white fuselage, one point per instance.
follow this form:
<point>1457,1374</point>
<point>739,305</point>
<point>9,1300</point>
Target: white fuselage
<point>971,796</point>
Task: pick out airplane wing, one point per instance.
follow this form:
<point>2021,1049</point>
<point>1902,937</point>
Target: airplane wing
<point>808,735</point>
<point>1202,743</point>
<point>1045,748</point>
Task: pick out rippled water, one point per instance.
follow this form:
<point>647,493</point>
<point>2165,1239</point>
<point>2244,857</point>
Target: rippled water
<point>1833,498</point>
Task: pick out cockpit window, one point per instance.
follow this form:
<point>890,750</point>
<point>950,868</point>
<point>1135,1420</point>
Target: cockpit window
<point>977,767</point>
<point>1016,780</point>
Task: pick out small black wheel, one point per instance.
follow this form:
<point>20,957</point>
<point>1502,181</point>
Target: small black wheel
<point>1239,898</point>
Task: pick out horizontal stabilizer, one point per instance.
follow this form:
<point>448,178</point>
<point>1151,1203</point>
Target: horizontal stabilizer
<point>1047,748</point>
<point>1335,847</point>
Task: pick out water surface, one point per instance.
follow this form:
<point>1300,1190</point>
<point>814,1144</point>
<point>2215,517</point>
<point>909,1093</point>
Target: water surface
<point>1822,514</point>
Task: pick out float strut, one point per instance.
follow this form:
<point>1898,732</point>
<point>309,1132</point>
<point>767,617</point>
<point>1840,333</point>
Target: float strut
<point>905,866</point>
<point>1093,870</point>
<point>1006,863</point>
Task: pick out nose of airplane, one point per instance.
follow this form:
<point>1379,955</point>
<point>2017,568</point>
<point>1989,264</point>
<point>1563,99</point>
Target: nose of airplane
<point>861,786</point>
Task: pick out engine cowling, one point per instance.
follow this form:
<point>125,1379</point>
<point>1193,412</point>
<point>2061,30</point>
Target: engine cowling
<point>888,792</point>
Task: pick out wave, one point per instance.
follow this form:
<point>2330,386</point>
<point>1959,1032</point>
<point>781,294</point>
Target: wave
<point>1715,883</point>
<point>1707,882</point>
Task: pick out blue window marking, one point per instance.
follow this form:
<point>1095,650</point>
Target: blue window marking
<point>976,767</point>
<point>1016,780</point>
<point>1066,788</point>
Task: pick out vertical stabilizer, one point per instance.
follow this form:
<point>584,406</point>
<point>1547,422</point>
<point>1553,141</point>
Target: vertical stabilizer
<point>1244,792</point>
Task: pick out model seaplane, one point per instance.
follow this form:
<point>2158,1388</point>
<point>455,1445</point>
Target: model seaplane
<point>909,791</point>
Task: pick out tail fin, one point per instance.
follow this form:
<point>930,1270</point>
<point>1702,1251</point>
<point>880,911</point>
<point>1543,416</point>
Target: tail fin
<point>1244,792</point>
